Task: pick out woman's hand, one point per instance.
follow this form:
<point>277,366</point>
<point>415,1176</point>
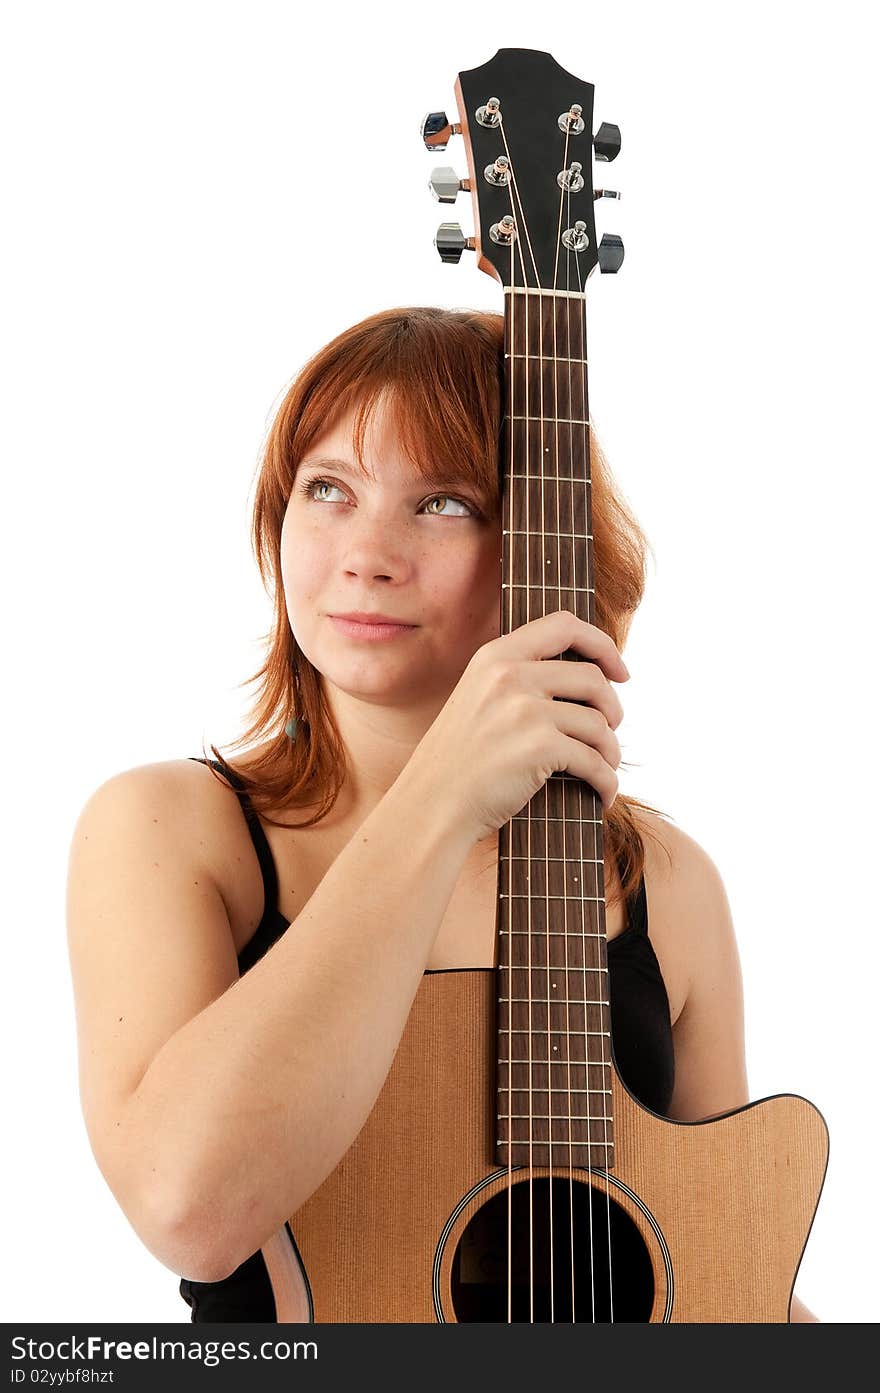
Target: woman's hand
<point>518,714</point>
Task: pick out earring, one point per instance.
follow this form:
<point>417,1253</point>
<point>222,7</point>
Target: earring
<point>293,725</point>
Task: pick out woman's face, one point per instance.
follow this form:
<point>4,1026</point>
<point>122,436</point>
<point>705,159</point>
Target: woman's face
<point>392,543</point>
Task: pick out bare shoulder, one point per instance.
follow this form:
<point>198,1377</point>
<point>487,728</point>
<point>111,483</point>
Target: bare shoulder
<point>693,932</point>
<point>186,802</point>
<point>672,854</point>
<point>689,914</point>
<point>172,783</point>
<point>149,937</point>
<point>682,877</point>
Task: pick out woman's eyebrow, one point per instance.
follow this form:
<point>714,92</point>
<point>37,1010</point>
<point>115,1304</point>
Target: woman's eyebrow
<point>347,468</point>
<point>326,462</point>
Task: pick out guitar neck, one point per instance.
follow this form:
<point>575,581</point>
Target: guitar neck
<point>553,1022</point>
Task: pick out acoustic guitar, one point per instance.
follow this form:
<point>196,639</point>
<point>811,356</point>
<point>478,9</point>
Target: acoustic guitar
<point>506,1172</point>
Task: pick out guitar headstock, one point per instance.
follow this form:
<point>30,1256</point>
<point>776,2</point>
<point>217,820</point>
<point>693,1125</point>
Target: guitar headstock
<point>527,126</point>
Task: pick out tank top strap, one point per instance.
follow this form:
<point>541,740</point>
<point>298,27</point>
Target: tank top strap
<point>636,905</point>
<point>255,827</point>
<point>638,910</point>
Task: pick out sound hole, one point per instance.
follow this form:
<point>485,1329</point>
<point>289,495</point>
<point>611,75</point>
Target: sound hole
<point>499,1279</point>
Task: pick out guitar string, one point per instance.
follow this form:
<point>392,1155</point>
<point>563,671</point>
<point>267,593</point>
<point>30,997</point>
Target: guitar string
<point>516,247</point>
<point>604,995</point>
<point>514,192</point>
<point>587,1094</point>
<point>510,900</point>
<point>595,797</point>
<point>594,820</point>
<point>567,208</point>
<point>563,862</point>
<point>585,994</point>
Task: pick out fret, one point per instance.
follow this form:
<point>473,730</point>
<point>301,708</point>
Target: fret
<point>595,1155</point>
<point>556,478</point>
<point>547,358</point>
<point>552,1000</point>
<point>548,532</point>
<point>545,969</point>
<point>505,1030</point>
<point>505,1088</point>
<point>585,860</point>
<point>521,585</point>
<point>539,420</point>
<point>600,1131</point>
<point>571,899</point>
<point>505,967</point>
<point>563,1063</point>
<point>544,294</point>
<point>579,934</point>
<point>522,438</point>
<point>564,1147</point>
<point>560,1063</point>
<point>555,1117</point>
<point>567,834</point>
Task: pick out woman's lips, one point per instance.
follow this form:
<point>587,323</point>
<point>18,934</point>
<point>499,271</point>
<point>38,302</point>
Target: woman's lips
<point>355,629</point>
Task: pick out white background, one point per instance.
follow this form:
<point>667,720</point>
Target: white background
<point>200,195</point>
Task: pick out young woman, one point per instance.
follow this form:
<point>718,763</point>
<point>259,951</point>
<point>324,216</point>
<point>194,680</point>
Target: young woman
<point>228,1065</point>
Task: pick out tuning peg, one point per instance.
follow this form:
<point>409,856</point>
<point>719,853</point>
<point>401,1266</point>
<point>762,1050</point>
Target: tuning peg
<point>605,193</point>
<point>606,141</point>
<point>444,183</point>
<point>451,242</point>
<point>437,130</point>
<point>610,252</point>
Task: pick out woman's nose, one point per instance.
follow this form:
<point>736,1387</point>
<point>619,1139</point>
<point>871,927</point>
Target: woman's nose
<point>376,560</point>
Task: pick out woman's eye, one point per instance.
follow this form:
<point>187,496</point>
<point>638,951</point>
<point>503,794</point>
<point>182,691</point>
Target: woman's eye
<point>310,484</point>
<point>307,489</point>
<point>448,498</point>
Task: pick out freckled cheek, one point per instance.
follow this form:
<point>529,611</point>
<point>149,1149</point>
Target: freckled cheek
<point>303,567</point>
<point>304,552</point>
<point>469,593</point>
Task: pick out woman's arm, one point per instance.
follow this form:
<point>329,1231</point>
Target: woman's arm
<point>213,1122</point>
<point>709,1034</point>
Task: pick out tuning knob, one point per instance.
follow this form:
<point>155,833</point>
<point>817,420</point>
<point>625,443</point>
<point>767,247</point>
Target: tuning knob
<point>610,252</point>
<point>606,141</point>
<point>451,242</point>
<point>605,193</point>
<point>437,130</point>
<point>445,184</point>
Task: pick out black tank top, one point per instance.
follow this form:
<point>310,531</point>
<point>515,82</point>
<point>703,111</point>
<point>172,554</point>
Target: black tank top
<point>641,1033</point>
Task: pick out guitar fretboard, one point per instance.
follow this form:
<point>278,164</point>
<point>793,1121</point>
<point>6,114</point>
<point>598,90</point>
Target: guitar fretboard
<point>553,1015</point>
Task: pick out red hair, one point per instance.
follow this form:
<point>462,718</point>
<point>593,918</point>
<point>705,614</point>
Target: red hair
<point>440,374</point>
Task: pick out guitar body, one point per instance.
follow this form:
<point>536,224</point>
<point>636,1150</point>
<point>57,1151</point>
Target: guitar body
<point>712,1217</point>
